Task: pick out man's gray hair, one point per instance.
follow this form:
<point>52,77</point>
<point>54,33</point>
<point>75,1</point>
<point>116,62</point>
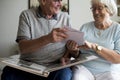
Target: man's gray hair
<point>111,5</point>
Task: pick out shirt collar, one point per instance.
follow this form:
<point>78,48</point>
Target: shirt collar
<point>39,14</point>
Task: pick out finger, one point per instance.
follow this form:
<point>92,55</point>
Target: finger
<point>63,61</point>
<point>72,45</point>
<point>58,39</point>
<point>68,43</point>
<point>61,30</point>
<point>82,47</point>
<point>63,35</point>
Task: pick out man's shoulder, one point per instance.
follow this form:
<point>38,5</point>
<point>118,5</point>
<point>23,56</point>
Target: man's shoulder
<point>29,11</point>
<point>63,16</point>
<point>61,13</point>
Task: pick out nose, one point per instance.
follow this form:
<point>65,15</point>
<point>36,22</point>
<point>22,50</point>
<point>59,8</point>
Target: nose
<point>59,3</point>
<point>96,11</point>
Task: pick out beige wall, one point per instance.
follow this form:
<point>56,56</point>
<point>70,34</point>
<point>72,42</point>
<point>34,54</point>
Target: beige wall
<point>80,12</point>
<point>9,15</point>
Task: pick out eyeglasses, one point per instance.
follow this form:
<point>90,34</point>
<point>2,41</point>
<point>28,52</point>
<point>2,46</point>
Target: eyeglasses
<point>100,8</point>
<point>57,0</point>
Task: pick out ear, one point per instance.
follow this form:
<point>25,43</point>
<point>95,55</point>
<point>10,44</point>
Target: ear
<point>43,2</point>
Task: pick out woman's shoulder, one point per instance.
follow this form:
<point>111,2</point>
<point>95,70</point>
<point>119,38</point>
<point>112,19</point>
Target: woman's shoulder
<point>88,23</point>
<point>87,26</point>
<point>116,25</point>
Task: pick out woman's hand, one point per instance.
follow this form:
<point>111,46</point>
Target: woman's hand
<point>88,45</point>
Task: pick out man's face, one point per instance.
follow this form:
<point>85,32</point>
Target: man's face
<point>53,6</point>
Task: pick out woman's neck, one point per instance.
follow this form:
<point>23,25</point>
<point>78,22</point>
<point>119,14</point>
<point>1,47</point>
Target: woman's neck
<point>103,25</point>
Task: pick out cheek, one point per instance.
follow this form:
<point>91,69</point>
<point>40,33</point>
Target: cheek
<point>56,8</point>
<point>99,16</point>
<point>103,16</point>
<point>53,10</point>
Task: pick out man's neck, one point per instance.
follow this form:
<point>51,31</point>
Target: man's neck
<point>49,16</point>
<point>47,13</point>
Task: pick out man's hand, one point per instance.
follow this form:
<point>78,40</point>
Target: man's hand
<point>57,35</point>
<point>65,60</point>
<point>72,46</point>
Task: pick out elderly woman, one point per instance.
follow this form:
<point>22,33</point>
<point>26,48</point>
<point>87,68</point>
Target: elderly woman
<point>103,40</point>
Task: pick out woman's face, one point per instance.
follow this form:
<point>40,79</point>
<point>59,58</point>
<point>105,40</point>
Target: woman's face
<point>100,12</point>
<point>53,6</point>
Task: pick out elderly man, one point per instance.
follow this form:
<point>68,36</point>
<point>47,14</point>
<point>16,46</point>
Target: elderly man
<point>40,34</point>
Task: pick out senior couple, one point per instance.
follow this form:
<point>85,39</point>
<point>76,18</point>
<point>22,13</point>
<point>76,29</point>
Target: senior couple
<point>40,34</point>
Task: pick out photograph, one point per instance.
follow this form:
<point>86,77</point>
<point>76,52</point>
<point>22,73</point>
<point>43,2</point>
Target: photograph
<point>33,3</point>
<point>118,2</point>
<point>118,11</point>
<point>65,4</point>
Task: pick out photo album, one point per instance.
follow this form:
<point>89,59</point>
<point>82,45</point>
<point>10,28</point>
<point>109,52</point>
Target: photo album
<point>45,69</point>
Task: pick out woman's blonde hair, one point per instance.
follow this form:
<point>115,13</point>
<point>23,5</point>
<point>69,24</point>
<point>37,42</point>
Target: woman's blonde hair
<point>110,4</point>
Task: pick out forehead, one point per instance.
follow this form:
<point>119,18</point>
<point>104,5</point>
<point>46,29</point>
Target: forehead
<point>53,0</point>
<point>96,4</point>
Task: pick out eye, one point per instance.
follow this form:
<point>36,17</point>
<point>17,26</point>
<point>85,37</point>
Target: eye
<point>100,8</point>
<point>57,0</point>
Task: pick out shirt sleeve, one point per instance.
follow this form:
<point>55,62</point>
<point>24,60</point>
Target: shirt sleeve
<point>24,29</point>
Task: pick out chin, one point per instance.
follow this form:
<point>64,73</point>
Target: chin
<point>57,11</point>
<point>99,22</point>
